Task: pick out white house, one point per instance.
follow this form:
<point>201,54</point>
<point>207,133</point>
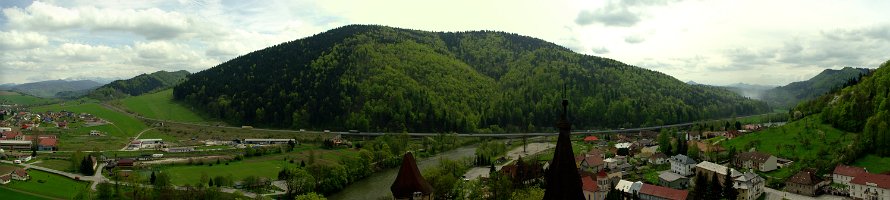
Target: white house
<point>844,174</point>
<point>682,165</point>
<point>870,186</point>
<point>628,187</point>
<point>749,185</point>
<point>756,160</point>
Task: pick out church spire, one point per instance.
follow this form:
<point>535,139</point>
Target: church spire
<point>563,180</point>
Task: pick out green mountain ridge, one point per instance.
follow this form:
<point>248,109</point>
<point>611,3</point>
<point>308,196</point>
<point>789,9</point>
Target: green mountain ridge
<point>862,107</point>
<point>376,78</point>
<point>48,89</point>
<point>790,95</point>
<point>141,84</point>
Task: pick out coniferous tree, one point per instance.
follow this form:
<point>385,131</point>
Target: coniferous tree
<point>714,187</point>
<point>152,178</point>
<point>701,186</point>
<point>729,191</point>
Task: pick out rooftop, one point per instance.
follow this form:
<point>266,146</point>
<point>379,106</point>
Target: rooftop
<point>719,169</point>
<point>848,170</point>
<point>664,192</point>
<point>669,176</point>
<point>877,180</point>
<point>806,177</point>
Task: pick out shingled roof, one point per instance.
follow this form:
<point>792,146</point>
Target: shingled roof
<point>664,192</point>
<point>409,180</point>
<point>805,177</point>
<point>848,170</point>
<point>754,156</point>
<point>879,180</point>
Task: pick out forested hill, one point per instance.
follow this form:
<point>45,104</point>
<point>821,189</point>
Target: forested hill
<point>790,95</point>
<point>144,83</point>
<point>863,107</point>
<point>48,89</point>
<point>375,78</point>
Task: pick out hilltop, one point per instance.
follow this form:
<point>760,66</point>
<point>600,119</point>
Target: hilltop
<point>376,78</point>
<point>141,84</point>
<point>49,89</point>
<point>790,95</point>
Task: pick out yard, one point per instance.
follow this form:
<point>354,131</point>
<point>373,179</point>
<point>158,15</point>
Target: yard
<point>874,163</point>
<point>160,105</point>
<point>50,185</point>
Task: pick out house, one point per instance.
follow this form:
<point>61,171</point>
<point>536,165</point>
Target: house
<point>654,192</point>
<point>805,182</point>
<point>47,144</point>
<point>591,139</point>
<point>95,133</point>
<point>20,174</point>
<point>629,188</point>
<point>709,169</point>
<point>615,162</point>
<point>844,174</point>
<point>591,189</point>
<point>150,143</point>
<point>672,180</point>
<point>870,186</point>
<point>756,160</point>
<point>682,165</point>
<point>733,134</point>
<point>593,163</point>
<point>125,163</point>
<point>11,135</point>
<point>5,129</point>
<point>658,158</point>
<point>693,135</point>
<point>749,186</point>
<point>522,172</point>
<point>15,144</point>
<point>649,150</point>
<point>623,149</point>
<point>5,179</point>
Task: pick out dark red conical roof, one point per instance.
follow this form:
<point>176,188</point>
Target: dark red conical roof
<point>563,180</point>
<point>409,180</point>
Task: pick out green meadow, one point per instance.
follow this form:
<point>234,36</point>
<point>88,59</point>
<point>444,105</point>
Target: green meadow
<point>50,185</point>
<point>7,97</point>
<point>160,105</point>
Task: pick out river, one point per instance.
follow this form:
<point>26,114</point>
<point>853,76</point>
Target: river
<point>377,185</point>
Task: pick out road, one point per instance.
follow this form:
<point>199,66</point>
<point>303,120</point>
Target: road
<point>532,149</point>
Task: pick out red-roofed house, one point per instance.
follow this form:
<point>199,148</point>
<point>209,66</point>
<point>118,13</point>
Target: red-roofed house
<point>805,182</point>
<point>47,144</point>
<point>4,179</point>
<point>593,163</point>
<point>11,135</point>
<point>591,139</point>
<point>870,186</point>
<point>844,174</point>
<point>20,174</point>
<point>654,192</point>
<point>591,189</point>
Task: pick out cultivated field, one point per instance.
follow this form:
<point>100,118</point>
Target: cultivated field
<point>117,134</point>
<point>160,105</point>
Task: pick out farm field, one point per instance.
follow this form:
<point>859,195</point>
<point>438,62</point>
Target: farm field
<point>7,193</point>
<point>52,185</point>
<point>874,163</point>
<point>116,134</point>
<point>264,166</point>
<point>160,105</point>
<point>802,139</point>
<point>8,97</point>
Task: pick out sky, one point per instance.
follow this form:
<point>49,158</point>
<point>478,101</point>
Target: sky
<point>717,42</point>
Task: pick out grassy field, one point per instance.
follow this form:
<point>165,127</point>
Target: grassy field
<point>796,140</point>
<point>874,163</point>
<point>160,105</point>
<point>117,134</point>
<point>52,185</point>
<point>263,166</point>
<point>7,193</point>
<point>7,97</point>
<point>61,165</point>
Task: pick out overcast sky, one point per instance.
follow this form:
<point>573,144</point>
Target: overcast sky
<point>715,42</point>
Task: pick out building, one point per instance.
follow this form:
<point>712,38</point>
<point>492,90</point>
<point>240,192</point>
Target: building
<point>591,139</point>
<point>870,186</point>
<point>522,172</point>
<point>5,179</point>
<point>47,144</point>
<point>11,135</point>
<point>125,163</point>
<point>805,182</point>
<point>672,180</point>
<point>20,174</point>
<point>709,169</point>
<point>756,160</point>
<point>628,188</point>
<point>15,144</point>
<point>591,188</point>
<point>682,165</point>
<point>623,149</point>
<point>268,141</point>
<point>409,183</point>
<point>593,163</point>
<point>95,133</point>
<point>563,181</point>
<point>658,158</point>
<point>654,192</point>
<point>179,149</point>
<point>844,174</point>
<point>150,143</point>
<point>749,185</point>
<point>5,129</point>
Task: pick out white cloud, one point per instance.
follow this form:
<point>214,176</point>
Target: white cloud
<point>15,40</point>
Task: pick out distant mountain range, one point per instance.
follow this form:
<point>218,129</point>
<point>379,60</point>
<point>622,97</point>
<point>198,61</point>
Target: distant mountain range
<point>49,89</point>
<point>141,84</point>
<point>376,78</point>
<point>790,95</point>
<point>749,90</point>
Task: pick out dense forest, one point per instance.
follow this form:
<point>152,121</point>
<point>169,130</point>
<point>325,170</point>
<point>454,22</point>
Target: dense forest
<point>376,78</point>
<point>862,107</point>
<point>144,83</point>
<point>788,96</point>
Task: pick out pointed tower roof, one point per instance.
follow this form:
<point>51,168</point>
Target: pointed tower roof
<point>409,180</point>
<point>563,179</point>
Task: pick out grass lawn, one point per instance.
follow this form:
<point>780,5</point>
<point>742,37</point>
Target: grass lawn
<point>263,166</point>
<point>7,97</point>
<point>160,105</point>
<point>789,141</point>
<point>53,185</point>
<point>61,165</point>
<point>7,193</point>
<point>874,163</point>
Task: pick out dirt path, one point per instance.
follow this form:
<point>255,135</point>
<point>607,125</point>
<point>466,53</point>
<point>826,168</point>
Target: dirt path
<point>135,138</point>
